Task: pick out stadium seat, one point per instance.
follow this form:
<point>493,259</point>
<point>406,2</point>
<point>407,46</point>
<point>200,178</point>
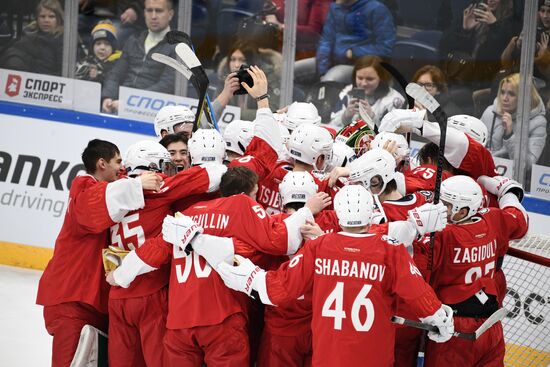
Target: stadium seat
<point>418,13</point>
<point>409,55</point>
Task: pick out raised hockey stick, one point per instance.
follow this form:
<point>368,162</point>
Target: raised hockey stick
<point>176,37</point>
<point>198,79</point>
<point>422,96</point>
<point>491,320</point>
<point>174,64</point>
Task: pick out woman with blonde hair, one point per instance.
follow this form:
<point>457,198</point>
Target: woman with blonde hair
<point>40,50</point>
<point>501,121</point>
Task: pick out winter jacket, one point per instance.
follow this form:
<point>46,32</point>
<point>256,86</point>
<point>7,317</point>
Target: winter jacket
<point>505,148</point>
<point>35,52</point>
<point>311,17</point>
<point>103,67</point>
<point>458,47</point>
<point>270,61</point>
<point>366,27</point>
<point>381,106</point>
<point>134,69</point>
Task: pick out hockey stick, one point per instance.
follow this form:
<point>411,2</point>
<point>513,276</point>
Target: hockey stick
<point>421,95</point>
<point>198,79</point>
<point>177,37</point>
<point>490,321</point>
<point>174,64</point>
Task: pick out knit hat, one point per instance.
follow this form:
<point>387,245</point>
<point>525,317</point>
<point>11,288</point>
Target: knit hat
<point>105,30</point>
<point>544,2</point>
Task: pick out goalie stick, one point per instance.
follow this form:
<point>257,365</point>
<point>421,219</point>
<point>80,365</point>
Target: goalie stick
<point>490,321</point>
<point>423,97</point>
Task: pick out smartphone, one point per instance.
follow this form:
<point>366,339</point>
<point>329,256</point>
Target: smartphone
<point>358,93</point>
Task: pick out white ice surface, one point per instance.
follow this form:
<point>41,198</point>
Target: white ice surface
<point>23,338</point>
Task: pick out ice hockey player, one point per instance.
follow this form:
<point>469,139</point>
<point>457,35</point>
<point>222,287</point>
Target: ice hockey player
<point>72,289</point>
<point>354,276</point>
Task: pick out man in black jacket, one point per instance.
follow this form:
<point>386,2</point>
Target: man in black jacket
<point>136,68</point>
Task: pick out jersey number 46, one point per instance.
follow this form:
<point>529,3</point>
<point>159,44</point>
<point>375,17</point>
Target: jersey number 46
<point>334,307</point>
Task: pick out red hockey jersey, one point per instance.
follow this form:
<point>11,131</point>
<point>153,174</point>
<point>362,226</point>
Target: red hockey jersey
<point>353,279</point>
<point>75,272</point>
<point>465,254</point>
<point>136,226</point>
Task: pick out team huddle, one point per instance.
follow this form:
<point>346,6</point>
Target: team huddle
<point>283,243</point>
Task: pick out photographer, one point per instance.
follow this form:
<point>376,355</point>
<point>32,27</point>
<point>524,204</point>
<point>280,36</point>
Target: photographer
<point>369,96</point>
<point>244,54</point>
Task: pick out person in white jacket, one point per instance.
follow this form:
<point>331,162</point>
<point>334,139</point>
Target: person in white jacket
<point>369,96</point>
<point>502,124</point>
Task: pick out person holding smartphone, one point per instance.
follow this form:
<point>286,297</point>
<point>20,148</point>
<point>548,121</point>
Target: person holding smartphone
<point>472,46</point>
<point>370,95</point>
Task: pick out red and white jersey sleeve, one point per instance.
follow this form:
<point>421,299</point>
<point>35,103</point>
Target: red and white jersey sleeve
<point>75,273</point>
<point>261,155</point>
<point>137,226</point>
<point>422,178</point>
<point>197,295</point>
<point>394,210</point>
<point>467,155</point>
<point>353,280</point>
<point>465,254</point>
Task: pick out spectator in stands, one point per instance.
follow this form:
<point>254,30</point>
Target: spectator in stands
<point>270,61</point>
<point>370,92</point>
<point>311,17</point>
<point>40,50</point>
<point>102,55</point>
<point>502,124</point>
<point>353,28</point>
<point>432,79</point>
<point>471,49</point>
<point>136,68</point>
<point>126,15</point>
<point>176,145</point>
<point>510,57</point>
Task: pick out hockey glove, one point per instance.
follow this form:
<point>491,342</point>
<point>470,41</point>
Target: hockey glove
<point>500,185</point>
<point>428,218</point>
<point>179,231</point>
<point>241,277</point>
<point>404,121</point>
<point>443,320</point>
<point>112,257</point>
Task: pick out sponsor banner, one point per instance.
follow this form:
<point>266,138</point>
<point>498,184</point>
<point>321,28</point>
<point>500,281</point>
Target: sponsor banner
<point>49,91</point>
<point>142,105</point>
<point>504,167</point>
<point>38,161</point>
<point>540,181</point>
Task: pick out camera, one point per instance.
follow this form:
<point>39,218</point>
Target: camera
<point>243,76</point>
<point>358,93</point>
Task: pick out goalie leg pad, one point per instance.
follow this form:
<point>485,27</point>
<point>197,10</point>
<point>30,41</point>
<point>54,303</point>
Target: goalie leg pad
<point>92,348</point>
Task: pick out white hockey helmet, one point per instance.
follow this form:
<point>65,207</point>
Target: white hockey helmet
<point>169,116</point>
<point>146,155</point>
<point>308,142</point>
<point>471,126</point>
<point>342,155</point>
<point>375,162</point>
<point>301,113</point>
<point>206,146</point>
<point>353,205</point>
<point>402,146</point>
<point>297,187</point>
<point>237,135</point>
<point>462,192</point>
